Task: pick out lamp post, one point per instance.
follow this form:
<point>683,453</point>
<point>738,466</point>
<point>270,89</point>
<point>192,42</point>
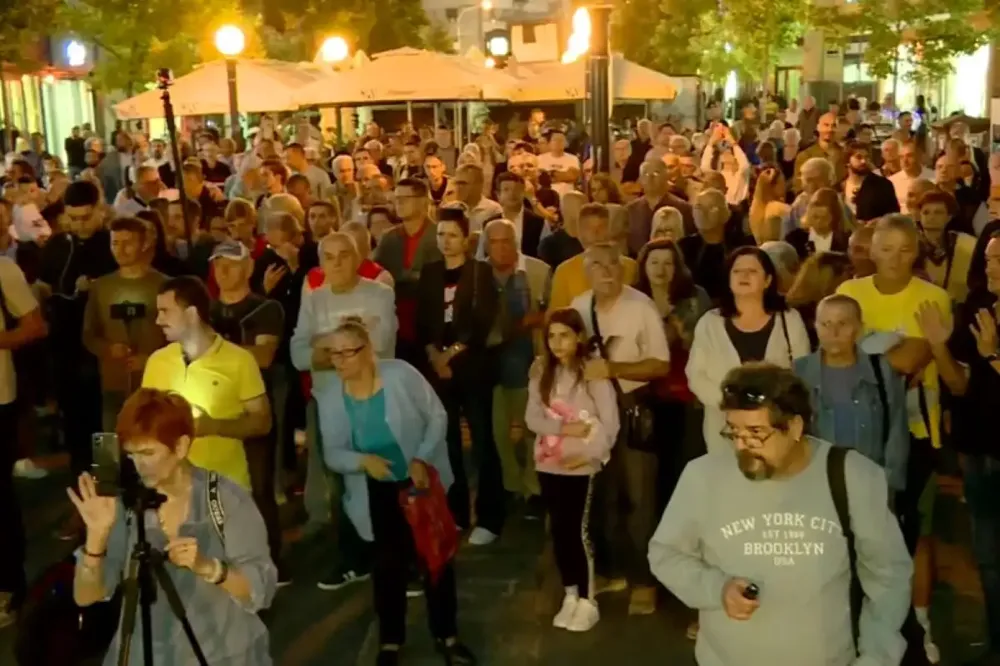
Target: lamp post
<point>482,7</point>
<point>230,41</point>
<point>599,56</point>
<point>332,51</point>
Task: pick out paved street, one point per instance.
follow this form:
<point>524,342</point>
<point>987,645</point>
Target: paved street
<point>508,594</point>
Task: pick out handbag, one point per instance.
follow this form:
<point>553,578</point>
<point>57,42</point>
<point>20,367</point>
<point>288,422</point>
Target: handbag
<point>435,536</point>
<point>635,415</point>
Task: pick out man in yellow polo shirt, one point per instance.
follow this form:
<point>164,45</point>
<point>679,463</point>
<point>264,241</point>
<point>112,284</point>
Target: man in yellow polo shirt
<point>220,380</point>
<point>570,279</point>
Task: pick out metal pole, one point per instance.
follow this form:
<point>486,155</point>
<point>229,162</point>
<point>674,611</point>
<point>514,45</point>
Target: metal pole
<point>340,126</point>
<point>437,115</point>
<point>409,112</point>
<point>234,112</point>
<point>600,64</point>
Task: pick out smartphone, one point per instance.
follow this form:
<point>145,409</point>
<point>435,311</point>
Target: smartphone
<point>106,468</point>
<point>751,592</point>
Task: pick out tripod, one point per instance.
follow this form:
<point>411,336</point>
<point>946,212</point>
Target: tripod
<point>145,571</point>
<point>164,79</point>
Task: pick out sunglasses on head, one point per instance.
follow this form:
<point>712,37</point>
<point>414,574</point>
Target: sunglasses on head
<point>745,396</point>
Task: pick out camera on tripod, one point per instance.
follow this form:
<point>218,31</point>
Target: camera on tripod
<point>164,78</point>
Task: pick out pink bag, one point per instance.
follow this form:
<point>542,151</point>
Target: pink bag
<point>550,447</point>
<point>434,532</point>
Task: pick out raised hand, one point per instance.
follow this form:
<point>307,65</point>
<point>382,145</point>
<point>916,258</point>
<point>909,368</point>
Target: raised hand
<point>98,513</point>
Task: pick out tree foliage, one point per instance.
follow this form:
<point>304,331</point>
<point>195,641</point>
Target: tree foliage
<point>134,39</point>
<point>22,27</point>
<point>915,39</point>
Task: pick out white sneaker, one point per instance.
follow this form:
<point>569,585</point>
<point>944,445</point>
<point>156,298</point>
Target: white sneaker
<point>25,468</point>
<point>565,614</point>
<point>482,537</point>
<point>585,616</point>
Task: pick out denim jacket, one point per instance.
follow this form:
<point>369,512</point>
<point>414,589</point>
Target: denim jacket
<point>867,437</point>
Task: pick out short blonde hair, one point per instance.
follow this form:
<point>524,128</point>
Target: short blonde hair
<point>670,219</point>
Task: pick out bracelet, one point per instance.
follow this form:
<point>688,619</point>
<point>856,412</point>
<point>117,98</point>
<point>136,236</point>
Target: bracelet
<point>96,556</point>
<point>223,574</point>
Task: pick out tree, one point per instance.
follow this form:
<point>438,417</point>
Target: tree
<point>915,39</point>
<point>23,26</point>
<point>436,37</point>
<point>126,32</point>
<point>398,23</point>
<point>748,37</point>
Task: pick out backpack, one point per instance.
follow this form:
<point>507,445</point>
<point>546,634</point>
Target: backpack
<point>911,629</point>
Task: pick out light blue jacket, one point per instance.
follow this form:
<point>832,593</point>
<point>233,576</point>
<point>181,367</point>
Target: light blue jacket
<point>868,439</point>
<point>416,418</point>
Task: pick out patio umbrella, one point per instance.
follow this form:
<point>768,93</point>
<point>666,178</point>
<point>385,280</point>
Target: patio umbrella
<point>560,82</point>
<point>410,75</point>
<point>261,85</point>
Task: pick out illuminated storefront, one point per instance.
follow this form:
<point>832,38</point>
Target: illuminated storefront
<point>54,99</point>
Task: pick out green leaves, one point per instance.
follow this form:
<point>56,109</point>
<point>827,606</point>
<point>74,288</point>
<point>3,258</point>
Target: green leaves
<point>913,39</point>
<point>22,27</point>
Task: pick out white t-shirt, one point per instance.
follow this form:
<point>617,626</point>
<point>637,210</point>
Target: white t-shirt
<point>632,329</point>
<point>20,301</point>
<point>565,162</point>
<point>902,181</point>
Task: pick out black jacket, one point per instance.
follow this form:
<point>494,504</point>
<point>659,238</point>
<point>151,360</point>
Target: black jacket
<point>288,291</point>
<point>531,232</point>
<point>64,259</point>
<point>799,239</point>
<point>876,197</point>
<point>475,309</point>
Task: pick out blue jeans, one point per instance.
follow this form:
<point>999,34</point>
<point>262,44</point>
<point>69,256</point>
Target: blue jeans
<point>982,495</point>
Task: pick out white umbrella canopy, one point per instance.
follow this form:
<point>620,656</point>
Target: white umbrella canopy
<point>558,82</point>
<point>410,75</point>
<point>261,86</point>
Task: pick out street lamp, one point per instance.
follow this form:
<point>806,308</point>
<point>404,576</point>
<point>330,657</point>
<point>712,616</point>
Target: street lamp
<point>334,49</point>
<point>482,7</point>
<point>230,41</point>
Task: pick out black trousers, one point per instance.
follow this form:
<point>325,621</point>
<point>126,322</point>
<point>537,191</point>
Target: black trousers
<point>262,453</point>
<point>472,397</point>
<point>395,555</point>
<point>12,552</point>
<point>921,464</point>
<point>78,392</point>
<point>567,499</point>
<point>626,518</point>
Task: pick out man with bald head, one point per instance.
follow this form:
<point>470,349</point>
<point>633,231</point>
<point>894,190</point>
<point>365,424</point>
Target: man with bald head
<point>705,252</point>
<point>912,172</point>
<point>825,146</point>
<point>654,179</point>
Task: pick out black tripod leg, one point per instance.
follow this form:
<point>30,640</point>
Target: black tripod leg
<point>130,602</point>
<point>177,606</point>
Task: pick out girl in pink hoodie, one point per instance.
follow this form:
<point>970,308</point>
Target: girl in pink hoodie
<point>577,423</point>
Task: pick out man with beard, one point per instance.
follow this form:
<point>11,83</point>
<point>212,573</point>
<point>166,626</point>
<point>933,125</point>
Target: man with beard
<point>760,541</point>
<point>869,195</point>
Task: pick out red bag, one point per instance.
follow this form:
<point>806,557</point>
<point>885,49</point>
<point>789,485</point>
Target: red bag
<point>434,533</point>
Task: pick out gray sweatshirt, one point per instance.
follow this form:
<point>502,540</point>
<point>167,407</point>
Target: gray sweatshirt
<point>784,536</point>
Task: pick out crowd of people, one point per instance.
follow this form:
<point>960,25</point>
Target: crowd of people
<point>542,339</point>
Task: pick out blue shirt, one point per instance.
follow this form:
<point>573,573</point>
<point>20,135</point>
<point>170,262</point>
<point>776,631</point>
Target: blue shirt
<point>370,433</point>
<point>415,416</point>
<point>229,631</point>
<point>518,352</point>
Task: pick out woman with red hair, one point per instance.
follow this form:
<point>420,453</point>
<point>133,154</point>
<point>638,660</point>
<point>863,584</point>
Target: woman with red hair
<point>219,562</point>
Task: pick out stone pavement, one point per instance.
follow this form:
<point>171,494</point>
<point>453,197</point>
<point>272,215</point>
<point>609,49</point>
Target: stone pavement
<point>507,595</point>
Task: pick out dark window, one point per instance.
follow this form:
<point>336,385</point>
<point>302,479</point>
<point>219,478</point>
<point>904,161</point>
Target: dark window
<point>528,34</point>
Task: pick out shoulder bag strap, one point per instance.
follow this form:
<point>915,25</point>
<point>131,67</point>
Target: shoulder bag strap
<point>600,344</point>
<point>838,491</point>
<point>788,341</point>
<point>883,398</point>
<point>215,508</point>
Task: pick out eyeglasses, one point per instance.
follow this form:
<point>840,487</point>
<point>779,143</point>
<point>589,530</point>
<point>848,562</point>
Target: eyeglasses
<point>344,354</point>
<point>749,438</point>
